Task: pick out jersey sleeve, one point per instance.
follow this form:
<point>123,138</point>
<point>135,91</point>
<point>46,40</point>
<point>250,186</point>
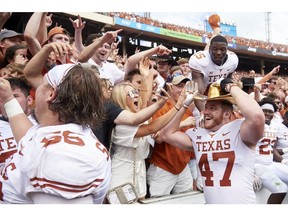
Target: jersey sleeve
<point>199,60</point>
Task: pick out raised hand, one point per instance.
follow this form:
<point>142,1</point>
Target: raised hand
<point>6,93</point>
<point>77,23</point>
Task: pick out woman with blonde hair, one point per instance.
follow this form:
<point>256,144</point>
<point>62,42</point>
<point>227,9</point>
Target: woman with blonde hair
<point>130,144</point>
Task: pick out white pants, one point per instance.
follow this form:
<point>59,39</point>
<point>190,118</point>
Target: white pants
<point>273,176</point>
<point>163,183</point>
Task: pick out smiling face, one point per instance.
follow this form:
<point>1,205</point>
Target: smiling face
<point>218,51</point>
<point>102,53</point>
<point>268,115</point>
<point>215,116</point>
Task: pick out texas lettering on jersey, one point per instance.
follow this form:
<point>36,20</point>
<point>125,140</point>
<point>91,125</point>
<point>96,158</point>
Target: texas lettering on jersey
<point>201,62</point>
<point>8,145</point>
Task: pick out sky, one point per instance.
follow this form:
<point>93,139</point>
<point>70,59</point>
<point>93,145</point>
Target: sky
<point>248,24</point>
<point>249,15</point>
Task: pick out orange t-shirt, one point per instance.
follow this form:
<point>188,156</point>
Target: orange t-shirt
<point>166,156</point>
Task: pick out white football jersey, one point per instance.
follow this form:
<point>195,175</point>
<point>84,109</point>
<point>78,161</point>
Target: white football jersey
<point>8,145</point>
<point>264,148</point>
<point>202,62</point>
<point>226,164</point>
<point>282,135</point>
<point>63,160</point>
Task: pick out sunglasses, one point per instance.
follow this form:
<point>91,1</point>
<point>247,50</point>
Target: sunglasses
<point>133,93</point>
<point>177,74</point>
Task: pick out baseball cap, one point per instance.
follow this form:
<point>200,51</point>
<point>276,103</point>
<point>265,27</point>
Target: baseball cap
<point>55,30</point>
<point>9,33</point>
<point>178,79</point>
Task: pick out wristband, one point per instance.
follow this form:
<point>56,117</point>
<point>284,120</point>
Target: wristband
<point>285,150</point>
<point>12,108</point>
<point>176,108</point>
<point>185,106</point>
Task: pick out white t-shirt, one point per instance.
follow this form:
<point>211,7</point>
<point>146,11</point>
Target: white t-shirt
<point>109,71</point>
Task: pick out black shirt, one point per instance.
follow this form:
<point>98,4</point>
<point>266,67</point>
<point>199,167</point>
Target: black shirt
<point>103,132</point>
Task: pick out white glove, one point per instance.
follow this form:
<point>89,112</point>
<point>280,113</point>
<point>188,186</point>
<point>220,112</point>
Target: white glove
<point>199,183</point>
<point>285,150</point>
<point>257,183</point>
<point>284,161</point>
<point>188,99</point>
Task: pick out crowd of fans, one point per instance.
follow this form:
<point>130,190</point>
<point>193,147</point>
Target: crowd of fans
<point>188,30</point>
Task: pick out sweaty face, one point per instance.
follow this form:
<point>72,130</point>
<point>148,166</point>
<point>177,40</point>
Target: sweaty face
<point>213,115</point>
<point>218,51</point>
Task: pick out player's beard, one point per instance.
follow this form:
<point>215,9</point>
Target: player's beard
<point>215,122</point>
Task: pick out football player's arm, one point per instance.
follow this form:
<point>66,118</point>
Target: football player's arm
<point>18,120</point>
<point>198,77</point>
<point>172,135</point>
<point>31,31</point>
<point>253,114</point>
<point>277,155</point>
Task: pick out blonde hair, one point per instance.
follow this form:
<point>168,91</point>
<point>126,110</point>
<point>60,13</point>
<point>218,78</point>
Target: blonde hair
<point>119,95</point>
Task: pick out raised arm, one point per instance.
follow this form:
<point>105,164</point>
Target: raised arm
<point>18,120</point>
<point>78,26</point>
<point>31,31</point>
<point>4,16</point>
<point>158,123</point>
<point>146,82</point>
<point>33,70</point>
<point>198,77</point>
<point>133,60</point>
<point>129,118</point>
<point>252,128</point>
<point>274,71</point>
<point>171,132</point>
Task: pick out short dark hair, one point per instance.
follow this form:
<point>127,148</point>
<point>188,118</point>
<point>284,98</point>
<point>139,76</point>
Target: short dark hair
<point>219,38</point>
<point>92,37</point>
<point>20,83</point>
<point>130,74</point>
